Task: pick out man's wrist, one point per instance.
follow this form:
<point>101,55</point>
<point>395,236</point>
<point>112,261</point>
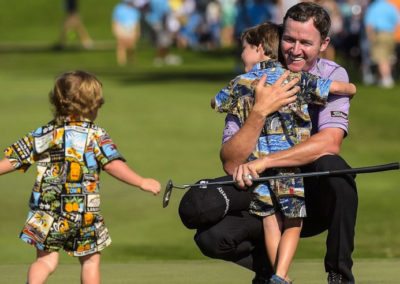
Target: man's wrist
<point>258,114</point>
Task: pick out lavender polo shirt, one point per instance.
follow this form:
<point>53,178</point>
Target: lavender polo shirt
<point>333,115</point>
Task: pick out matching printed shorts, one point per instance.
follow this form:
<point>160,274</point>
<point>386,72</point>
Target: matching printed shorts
<point>287,198</point>
<point>78,234</point>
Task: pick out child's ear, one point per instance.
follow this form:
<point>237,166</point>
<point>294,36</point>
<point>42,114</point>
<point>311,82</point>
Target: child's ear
<point>260,48</point>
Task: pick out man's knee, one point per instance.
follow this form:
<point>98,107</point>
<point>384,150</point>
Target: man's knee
<point>208,243</point>
<point>341,184</point>
<point>330,162</point>
<point>221,245</point>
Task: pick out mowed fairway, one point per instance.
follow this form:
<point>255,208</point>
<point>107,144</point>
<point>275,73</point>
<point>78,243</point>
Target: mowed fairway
<point>161,121</point>
<point>200,272</point>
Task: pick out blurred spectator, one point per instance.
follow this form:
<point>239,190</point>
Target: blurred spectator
<point>249,14</point>
<point>180,12</point>
<point>332,7</point>
<point>228,16</point>
<point>73,25</point>
<point>190,27</point>
<point>126,28</point>
<point>281,7</point>
<point>381,20</point>
<point>211,32</point>
<point>156,17</point>
<point>397,40</point>
<point>190,21</point>
<point>202,28</point>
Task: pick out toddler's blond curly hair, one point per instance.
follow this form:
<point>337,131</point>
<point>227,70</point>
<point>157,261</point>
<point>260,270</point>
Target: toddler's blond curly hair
<point>76,94</point>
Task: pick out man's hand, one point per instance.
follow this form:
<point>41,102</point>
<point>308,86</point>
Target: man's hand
<point>245,173</point>
<point>269,99</point>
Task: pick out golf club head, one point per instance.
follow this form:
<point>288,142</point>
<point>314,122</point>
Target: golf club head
<point>167,193</point>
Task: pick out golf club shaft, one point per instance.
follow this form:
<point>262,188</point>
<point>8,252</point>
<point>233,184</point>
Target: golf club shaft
<point>371,169</point>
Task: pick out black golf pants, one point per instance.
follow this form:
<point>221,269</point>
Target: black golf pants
<point>231,234</point>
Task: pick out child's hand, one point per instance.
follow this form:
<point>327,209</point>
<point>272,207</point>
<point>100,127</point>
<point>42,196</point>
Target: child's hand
<point>151,185</point>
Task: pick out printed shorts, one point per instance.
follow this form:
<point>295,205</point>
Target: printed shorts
<point>266,202</point>
<point>78,235</point>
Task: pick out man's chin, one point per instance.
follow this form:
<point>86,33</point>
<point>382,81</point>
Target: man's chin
<point>296,66</point>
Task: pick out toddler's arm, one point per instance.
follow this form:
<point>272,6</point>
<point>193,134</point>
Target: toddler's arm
<point>120,170</point>
<point>6,166</point>
<point>342,88</point>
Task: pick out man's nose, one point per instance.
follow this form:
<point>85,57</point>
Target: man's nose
<point>296,48</point>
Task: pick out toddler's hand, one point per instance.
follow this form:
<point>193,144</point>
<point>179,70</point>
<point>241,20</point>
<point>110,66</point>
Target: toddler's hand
<point>151,185</point>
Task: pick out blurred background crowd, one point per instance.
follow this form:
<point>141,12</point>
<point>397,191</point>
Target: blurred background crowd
<point>365,33</point>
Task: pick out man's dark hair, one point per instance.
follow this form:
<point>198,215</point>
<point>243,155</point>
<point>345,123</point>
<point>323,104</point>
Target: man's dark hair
<point>304,11</point>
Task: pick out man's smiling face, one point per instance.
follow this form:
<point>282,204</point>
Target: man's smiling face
<point>301,44</point>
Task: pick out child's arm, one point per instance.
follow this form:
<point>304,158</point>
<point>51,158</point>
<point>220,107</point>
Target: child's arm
<point>120,170</point>
<point>342,88</point>
<point>6,166</point>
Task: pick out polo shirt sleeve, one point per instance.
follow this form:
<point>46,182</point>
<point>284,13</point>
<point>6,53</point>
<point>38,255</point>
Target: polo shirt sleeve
<point>336,113</point>
<point>232,125</point>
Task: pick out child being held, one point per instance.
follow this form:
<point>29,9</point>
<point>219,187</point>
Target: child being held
<point>70,151</point>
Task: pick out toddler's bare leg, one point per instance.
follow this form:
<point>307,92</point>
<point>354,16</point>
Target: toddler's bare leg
<point>288,245</point>
<point>272,236</point>
<point>90,268</point>
<point>44,265</point>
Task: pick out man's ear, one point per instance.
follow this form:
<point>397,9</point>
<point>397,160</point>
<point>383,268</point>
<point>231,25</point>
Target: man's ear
<point>324,44</point>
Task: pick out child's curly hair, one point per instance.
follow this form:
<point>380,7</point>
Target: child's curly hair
<point>77,94</point>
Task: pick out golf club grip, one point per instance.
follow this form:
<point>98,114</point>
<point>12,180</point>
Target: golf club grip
<point>371,169</point>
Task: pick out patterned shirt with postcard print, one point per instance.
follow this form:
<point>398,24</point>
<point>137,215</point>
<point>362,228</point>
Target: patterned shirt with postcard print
<point>282,130</point>
<point>65,201</point>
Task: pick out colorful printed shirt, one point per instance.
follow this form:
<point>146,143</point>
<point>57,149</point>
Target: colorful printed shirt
<point>286,127</point>
<point>69,158</point>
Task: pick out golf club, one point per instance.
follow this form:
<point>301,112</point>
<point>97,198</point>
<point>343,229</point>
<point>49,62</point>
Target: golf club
<point>203,184</point>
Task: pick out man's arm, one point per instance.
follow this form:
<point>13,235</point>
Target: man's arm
<point>238,148</point>
<point>268,99</point>
<point>326,142</point>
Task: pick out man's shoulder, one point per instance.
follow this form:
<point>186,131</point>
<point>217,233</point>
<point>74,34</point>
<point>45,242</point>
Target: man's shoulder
<point>330,70</point>
<point>326,63</point>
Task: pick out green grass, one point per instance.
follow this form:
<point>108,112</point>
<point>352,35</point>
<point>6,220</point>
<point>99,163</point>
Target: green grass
<point>161,121</point>
<point>200,272</point>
